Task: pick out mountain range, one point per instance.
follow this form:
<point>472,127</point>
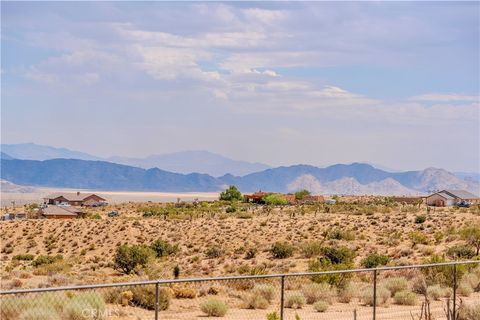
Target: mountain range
<point>356,178</point>
<point>180,162</point>
<point>35,165</point>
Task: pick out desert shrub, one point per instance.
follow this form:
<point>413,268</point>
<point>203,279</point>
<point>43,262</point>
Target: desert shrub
<point>273,316</point>
<point>85,306</point>
<point>281,250</point>
<point>374,260</point>
<point>383,295</point>
<point>420,219</point>
<point>320,306</point>
<point>127,258</point>
<point>323,264</point>
<point>396,284</point>
<point>473,280</point>
<point>254,300</point>
<point>163,248</point>
<point>144,297</point>
<point>441,275</point>
<point>295,301</point>
<point>39,313</point>
<point>265,290</point>
<point>464,289</point>
<point>231,209</point>
<point>24,257</point>
<point>314,292</point>
<point>214,308</point>
<point>59,266</point>
<point>405,297</point>
<point>214,251</point>
<point>418,237</point>
<point>299,195</point>
<point>347,293</point>
<point>436,292</point>
<point>311,249</point>
<point>340,234</point>
<point>42,260</point>
<point>338,255</point>
<point>231,194</point>
<point>184,292</point>
<point>469,311</point>
<point>461,252</point>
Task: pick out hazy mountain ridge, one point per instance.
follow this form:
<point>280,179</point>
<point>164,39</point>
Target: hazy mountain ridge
<point>355,178</point>
<point>180,162</point>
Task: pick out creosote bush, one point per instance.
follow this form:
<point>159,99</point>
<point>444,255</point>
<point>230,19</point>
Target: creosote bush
<point>214,308</point>
<point>321,306</point>
<point>127,258</point>
<point>405,297</point>
<point>295,301</point>
<point>281,250</point>
<point>374,260</point>
<point>383,296</point>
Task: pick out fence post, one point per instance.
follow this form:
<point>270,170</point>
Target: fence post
<point>454,316</point>
<point>375,294</point>
<point>282,296</point>
<point>157,299</point>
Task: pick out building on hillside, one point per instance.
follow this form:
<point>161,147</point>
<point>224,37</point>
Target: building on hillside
<point>256,197</point>
<point>446,198</point>
<point>59,212</point>
<point>75,199</point>
<point>312,199</point>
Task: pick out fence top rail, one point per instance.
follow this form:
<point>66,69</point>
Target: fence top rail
<point>226,278</point>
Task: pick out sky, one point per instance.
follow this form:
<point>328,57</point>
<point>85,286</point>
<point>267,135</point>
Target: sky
<point>390,83</point>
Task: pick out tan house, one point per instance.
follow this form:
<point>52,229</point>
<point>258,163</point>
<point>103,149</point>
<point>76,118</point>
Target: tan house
<point>446,198</point>
<point>60,212</point>
<point>75,199</point>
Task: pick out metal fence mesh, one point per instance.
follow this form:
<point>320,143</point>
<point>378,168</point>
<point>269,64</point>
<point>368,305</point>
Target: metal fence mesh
<point>406,293</point>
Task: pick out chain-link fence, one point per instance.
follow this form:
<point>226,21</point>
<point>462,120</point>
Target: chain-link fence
<point>449,291</point>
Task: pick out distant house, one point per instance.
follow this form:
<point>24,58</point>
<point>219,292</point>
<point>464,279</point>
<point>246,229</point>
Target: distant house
<point>60,212</point>
<point>256,197</point>
<point>75,199</point>
<point>447,198</point>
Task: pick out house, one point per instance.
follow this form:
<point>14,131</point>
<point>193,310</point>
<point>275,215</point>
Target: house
<point>447,198</point>
<point>75,199</point>
<point>60,212</point>
<point>256,197</point>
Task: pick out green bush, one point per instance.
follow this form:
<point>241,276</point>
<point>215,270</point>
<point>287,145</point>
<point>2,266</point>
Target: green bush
<point>214,251</point>
<point>281,250</point>
<point>340,255</point>
<point>396,284</point>
<point>334,279</point>
<point>461,252</point>
<point>127,258</point>
<point>311,249</point>
<point>383,295</point>
<point>374,260</point>
<point>163,248</point>
<point>274,200</point>
<point>406,298</point>
<point>231,194</point>
<point>299,195</point>
<point>436,292</point>
<point>314,292</point>
<point>420,219</point>
<point>339,234</point>
<point>144,297</point>
<point>214,308</point>
<point>321,306</point>
<point>24,257</point>
<point>43,260</point>
<point>39,313</point>
<point>469,311</point>
<point>295,301</point>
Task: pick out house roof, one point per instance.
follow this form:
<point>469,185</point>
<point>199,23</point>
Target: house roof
<point>60,211</point>
<point>445,195</point>
<point>72,196</point>
<point>461,194</point>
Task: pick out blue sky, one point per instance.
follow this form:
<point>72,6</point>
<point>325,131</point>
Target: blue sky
<point>393,83</point>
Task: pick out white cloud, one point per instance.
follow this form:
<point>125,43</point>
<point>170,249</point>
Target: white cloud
<point>445,97</point>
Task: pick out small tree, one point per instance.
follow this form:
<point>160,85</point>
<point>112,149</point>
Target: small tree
<point>471,235</point>
<point>299,195</point>
<point>275,200</point>
<point>163,248</point>
<point>231,194</point>
<point>127,258</point>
